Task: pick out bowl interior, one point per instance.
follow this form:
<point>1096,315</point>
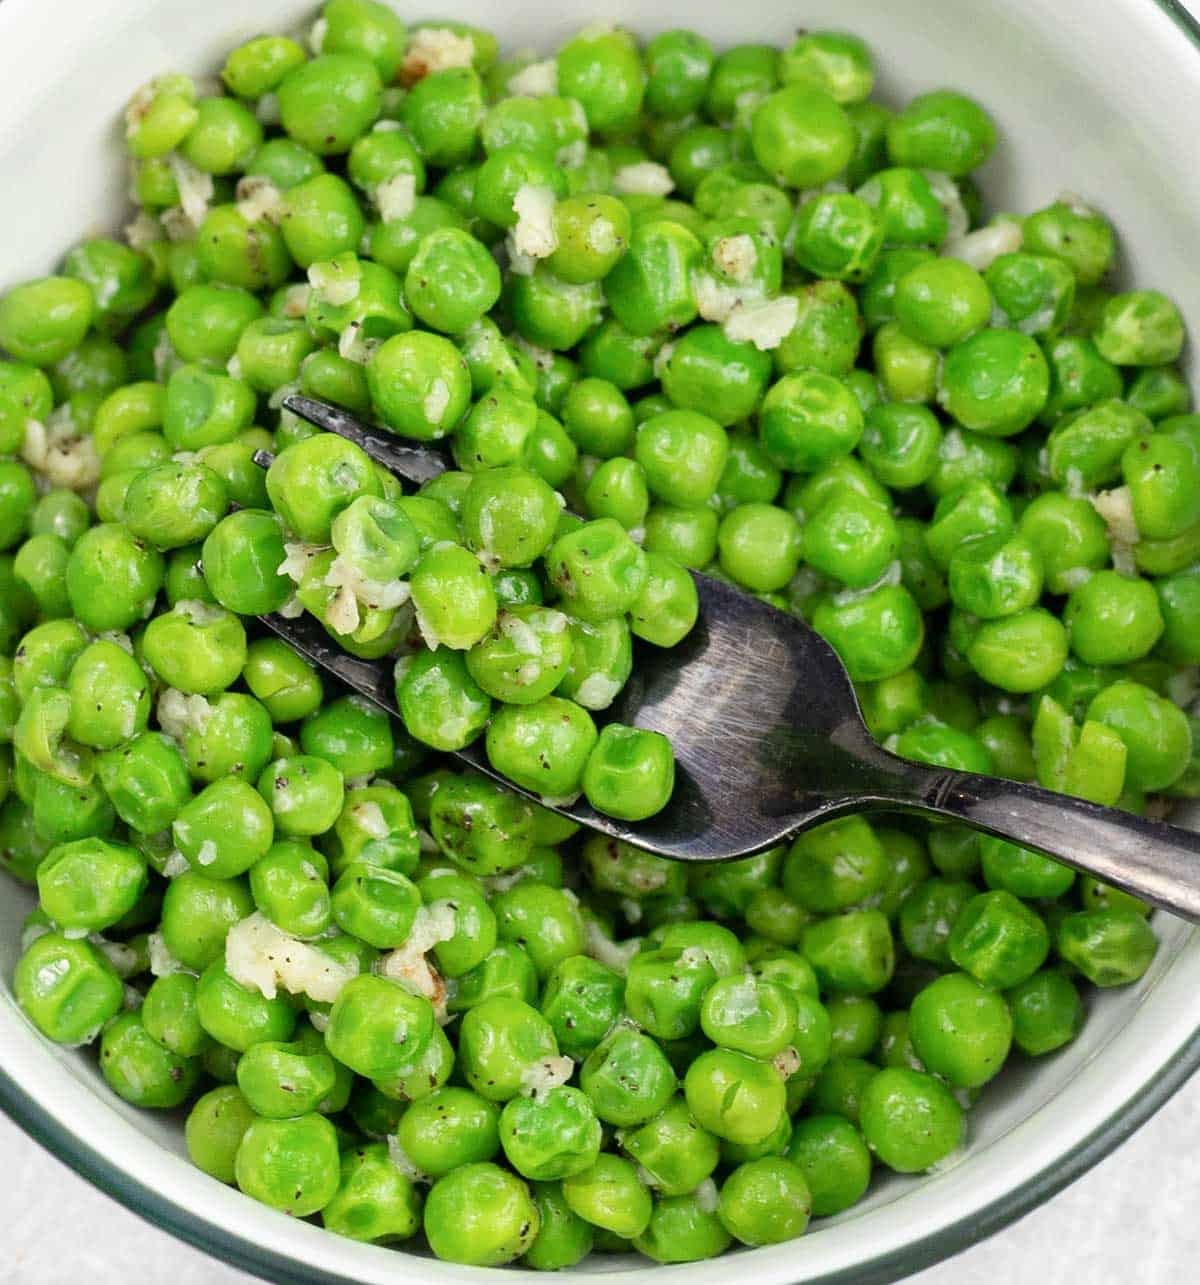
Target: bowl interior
<point>1086,99</point>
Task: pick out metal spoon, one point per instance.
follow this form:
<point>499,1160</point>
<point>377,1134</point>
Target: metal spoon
<point>769,739</point>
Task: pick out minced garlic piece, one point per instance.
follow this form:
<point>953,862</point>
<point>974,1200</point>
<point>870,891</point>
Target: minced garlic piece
<point>408,965</point>
<point>534,234</point>
<point>336,284</point>
<point>735,256</point>
<point>646,178</point>
<point>398,1157</point>
<point>1116,508</point>
<point>262,957</point>
<point>179,713</point>
<point>984,246</point>
<point>195,189</point>
<point>396,197</point>
<point>538,80</point>
<point>143,231</point>
<point>601,947</point>
<point>60,455</point>
<point>259,199</point>
<point>547,1073</point>
<point>162,962</point>
<point>298,556</point>
<point>766,325</point>
<point>435,49</point>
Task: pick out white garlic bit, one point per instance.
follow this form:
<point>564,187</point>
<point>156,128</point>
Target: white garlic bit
<point>262,957</point>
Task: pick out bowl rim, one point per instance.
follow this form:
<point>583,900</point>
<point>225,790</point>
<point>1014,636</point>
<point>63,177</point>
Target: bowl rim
<point>937,1245</point>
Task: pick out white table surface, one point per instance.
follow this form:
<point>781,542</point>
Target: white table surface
<point>1131,1219</point>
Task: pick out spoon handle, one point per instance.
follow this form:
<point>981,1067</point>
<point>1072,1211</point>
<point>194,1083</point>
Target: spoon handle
<point>1153,860</point>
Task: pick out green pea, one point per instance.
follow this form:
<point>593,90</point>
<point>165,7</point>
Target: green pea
<point>377,1028</point>
<point>443,112</point>
<point>38,735</point>
<point>598,418</point>
<point>197,913</point>
<point>678,65</point>
<point>375,904</point>
<point>67,988</point>
<point>1023,873</point>
<point>237,1016</point>
<point>509,516</point>
<point>351,733</point>
<point>41,321</point>
<point>996,382</point>
<point>998,940</point>
<point>304,794</point>
<point>563,1238</point>
<point>1159,392</point>
<point>1079,377</point>
<point>140,1070</point>
<point>801,135</point>
<point>286,684</point>
<point>170,1016</point>
<point>941,302</point>
<point>592,232</point>
<point>839,1087</point>
<point>808,419</point>
<point>760,546</point>
<point>1079,236</point>
<point>942,130</point>
<point>838,236</point>
<point>439,701</point>
<point>322,218</point>
<point>214,1130</point>
<point>850,538</point>
<point>550,1136</point>
<point>110,698</point>
<point>224,829</point>
<point>1047,1012</point>
<point>452,280</point>
<point>852,953</point>
<point>765,1201</point>
<point>375,826</point>
<point>453,597</point>
<point>480,1215</point>
<point>630,773</point>
<point>448,1129</point>
<point>420,384</point>
<point>834,866</point>
<point>1112,619</point>
<point>147,781</point>
<point>281,1081</point>
<point>831,1154</point>
<point>582,998</point>
<point>1109,947</point>
<point>544,747</point>
<point>910,1120</point>
<point>196,647</point>
<point>112,577</point>
<point>375,1202</point>
<point>650,289</point>
<point>1139,328</point>
<point>291,1165</point>
<point>876,632</point>
<point>91,884</point>
<point>735,1097</point>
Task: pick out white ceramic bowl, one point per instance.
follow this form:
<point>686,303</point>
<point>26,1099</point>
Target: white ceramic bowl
<point>1096,98</point>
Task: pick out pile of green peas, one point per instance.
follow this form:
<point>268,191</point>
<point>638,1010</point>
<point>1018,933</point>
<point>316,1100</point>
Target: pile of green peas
<point>743,319</point>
